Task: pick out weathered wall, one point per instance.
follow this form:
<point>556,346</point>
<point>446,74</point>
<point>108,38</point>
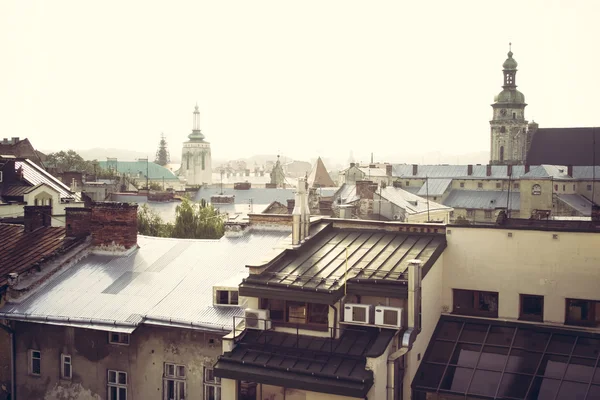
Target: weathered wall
<point>5,365</point>
<point>92,356</point>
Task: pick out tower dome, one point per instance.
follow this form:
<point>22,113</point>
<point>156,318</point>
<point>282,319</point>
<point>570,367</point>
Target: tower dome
<point>510,62</point>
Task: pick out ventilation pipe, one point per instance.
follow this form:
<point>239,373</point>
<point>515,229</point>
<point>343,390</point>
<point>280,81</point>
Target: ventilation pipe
<point>305,211</point>
<point>297,216</point>
<point>414,294</point>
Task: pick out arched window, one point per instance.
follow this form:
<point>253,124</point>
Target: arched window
<point>501,153</point>
<point>203,155</point>
<point>502,129</point>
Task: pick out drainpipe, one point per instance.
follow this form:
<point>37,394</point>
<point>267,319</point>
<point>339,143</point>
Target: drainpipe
<point>414,303</point>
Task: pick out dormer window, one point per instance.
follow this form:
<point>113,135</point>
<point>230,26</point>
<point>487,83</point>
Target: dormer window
<point>226,296</point>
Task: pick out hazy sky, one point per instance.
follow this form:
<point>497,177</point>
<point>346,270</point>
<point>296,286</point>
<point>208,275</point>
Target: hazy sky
<point>303,78</point>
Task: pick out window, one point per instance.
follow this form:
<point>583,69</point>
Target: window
<point>117,385</point>
<point>564,187</point>
<point>462,184</point>
<point>66,371</point>
<point>451,214</point>
<point>407,183</point>
<point>498,185</point>
<point>174,382</point>
<point>514,115</point>
<point>226,297</point>
<point>475,302</point>
<point>118,338</point>
<point>515,185</point>
<point>589,187</point>
<point>556,188</point>
<point>532,308</point>
<point>502,129</point>
<point>212,385</point>
<point>583,312</point>
<point>295,312</point>
<point>488,214</point>
<point>470,213</point>
<point>480,185</point>
<point>35,362</point>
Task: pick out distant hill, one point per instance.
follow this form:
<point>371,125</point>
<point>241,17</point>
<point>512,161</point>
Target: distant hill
<point>102,154</point>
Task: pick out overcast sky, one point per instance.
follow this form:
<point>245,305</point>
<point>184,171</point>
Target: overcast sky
<point>303,78</point>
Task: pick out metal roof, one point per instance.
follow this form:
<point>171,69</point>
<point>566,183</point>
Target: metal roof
<point>482,199</point>
<point>577,202</point>
<point>456,171</point>
<point>412,203</point>
<point>586,172</point>
<point>346,194</point>
<point>434,187</point>
<point>495,359</point>
<point>368,171</point>
<point>139,169</point>
<point>548,171</point>
<point>165,281</point>
<point>35,175</point>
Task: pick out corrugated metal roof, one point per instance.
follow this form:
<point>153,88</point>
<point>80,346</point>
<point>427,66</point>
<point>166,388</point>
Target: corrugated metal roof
<point>482,199</point>
<point>35,175</point>
<point>577,202</point>
<point>548,171</point>
<point>378,172</point>
<point>16,190</point>
<point>412,203</point>
<point>456,171</point>
<point>434,187</point>
<point>164,280</point>
<point>346,194</point>
<point>139,169</point>
<point>586,172</point>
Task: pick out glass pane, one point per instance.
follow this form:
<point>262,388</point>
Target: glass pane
<point>210,392</point>
<point>587,347</point>
<point>500,335</point>
<point>531,340</point>
<point>170,369</point>
<point>580,369</point>
<point>561,344</point>
<point>522,361</point>
<point>474,333</point>
<point>572,391</point>
<point>297,312</point>
<point>488,302</point>
<point>36,367</point>
<point>181,390</point>
<point>553,366</point>
<point>514,385</point>
<point>543,388</point>
<point>114,337</point>
<point>218,394</point>
<point>441,351</point>
<point>456,379</point>
<point>449,330</point>
<point>485,383</point>
<point>429,376</point>
<point>67,371</point>
<point>112,377</point>
<point>594,393</point>
<point>112,393</point>
<point>532,306</point>
<point>208,375</point>
<point>122,378</point>
<point>579,311</point>
<point>234,296</point>
<point>122,393</point>
<point>318,313</point>
<point>493,358</point>
<point>170,389</point>
<point>222,297</point>
<point>465,355</point>
<point>181,371</point>
<point>125,338</point>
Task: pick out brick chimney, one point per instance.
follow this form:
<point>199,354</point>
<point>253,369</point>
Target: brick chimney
<point>365,189</point>
<point>388,169</point>
<point>488,170</point>
<point>415,169</point>
<point>78,221</point>
<point>36,217</point>
<point>570,170</point>
<point>470,169</point>
<point>114,225</point>
<point>290,205</point>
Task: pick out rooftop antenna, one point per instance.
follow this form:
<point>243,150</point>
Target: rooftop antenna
<point>427,195</point>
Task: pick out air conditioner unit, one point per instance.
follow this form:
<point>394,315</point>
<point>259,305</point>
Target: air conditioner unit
<point>388,316</point>
<point>257,319</point>
<point>358,313</point>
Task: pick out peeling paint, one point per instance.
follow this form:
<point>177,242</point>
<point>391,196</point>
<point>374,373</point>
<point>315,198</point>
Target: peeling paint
<point>70,391</point>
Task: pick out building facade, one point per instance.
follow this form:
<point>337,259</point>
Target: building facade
<point>196,165</point>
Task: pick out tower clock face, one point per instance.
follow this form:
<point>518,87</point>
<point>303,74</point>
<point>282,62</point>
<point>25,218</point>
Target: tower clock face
<point>503,112</point>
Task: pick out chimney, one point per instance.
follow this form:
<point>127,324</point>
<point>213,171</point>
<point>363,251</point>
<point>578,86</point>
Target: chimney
<point>527,168</point>
<point>13,279</point>
<point>595,213</point>
<point>415,169</point>
<point>470,169</point>
<point>15,139</point>
<point>305,211</point>
<point>388,169</point>
<point>352,164</point>
<point>365,189</point>
<point>570,170</point>
<point>78,221</point>
<point>488,170</point>
<point>297,214</point>
<point>114,225</point>
<point>36,217</point>
<point>414,294</point>
<point>290,205</point>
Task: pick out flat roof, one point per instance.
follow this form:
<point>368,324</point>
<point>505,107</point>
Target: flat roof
<point>495,359</point>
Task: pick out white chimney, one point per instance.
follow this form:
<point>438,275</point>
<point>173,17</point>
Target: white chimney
<point>414,294</point>
<point>305,210</point>
<point>297,216</point>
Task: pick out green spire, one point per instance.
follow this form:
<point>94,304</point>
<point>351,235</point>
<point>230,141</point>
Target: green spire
<point>196,135</point>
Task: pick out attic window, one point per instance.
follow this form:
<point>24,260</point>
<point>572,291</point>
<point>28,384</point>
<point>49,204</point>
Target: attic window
<point>118,338</point>
<point>226,297</point>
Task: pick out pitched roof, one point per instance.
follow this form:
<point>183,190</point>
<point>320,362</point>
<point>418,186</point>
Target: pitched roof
<point>564,146</point>
<point>577,202</point>
<point>319,177</point>
<point>410,202</point>
<point>163,282</point>
<point>35,175</point>
<point>457,171</point>
<point>21,251</point>
<point>482,199</point>
<point>434,187</point>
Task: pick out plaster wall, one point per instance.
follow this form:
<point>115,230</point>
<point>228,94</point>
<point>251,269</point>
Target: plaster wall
<point>529,262</point>
<point>5,364</point>
<point>193,171</point>
<point>92,356</point>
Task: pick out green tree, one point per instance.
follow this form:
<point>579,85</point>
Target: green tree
<point>69,160</point>
<point>151,224</point>
<point>197,221</point>
<point>162,154</point>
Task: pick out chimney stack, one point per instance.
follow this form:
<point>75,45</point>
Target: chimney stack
<point>290,206</point>
<point>36,217</point>
<point>527,168</point>
<point>305,211</point>
<point>365,189</point>
<point>488,170</point>
<point>388,169</point>
<point>415,169</point>
<point>297,224</point>
<point>114,225</point>
<point>414,294</point>
<point>509,170</point>
<point>78,221</point>
<point>570,170</point>
<point>470,169</point>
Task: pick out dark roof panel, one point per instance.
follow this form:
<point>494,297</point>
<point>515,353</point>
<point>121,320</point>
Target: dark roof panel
<point>564,146</point>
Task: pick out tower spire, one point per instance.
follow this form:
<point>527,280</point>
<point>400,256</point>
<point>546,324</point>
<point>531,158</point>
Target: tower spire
<point>196,133</point>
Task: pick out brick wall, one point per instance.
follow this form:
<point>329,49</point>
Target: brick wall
<point>114,224</point>
<point>36,217</point>
<point>78,221</point>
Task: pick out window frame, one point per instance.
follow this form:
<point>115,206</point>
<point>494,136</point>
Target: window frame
<point>530,317</point>
<point>479,185</point>
<point>476,297</point>
<point>63,363</point>
<point>214,383</point>
<point>516,185</point>
<point>231,293</point>
<point>116,384</point>
<point>592,320</point>
<point>470,213</point>
<point>488,214</point>
<point>31,358</point>
<point>123,338</point>
<point>177,379</point>
<point>308,321</point>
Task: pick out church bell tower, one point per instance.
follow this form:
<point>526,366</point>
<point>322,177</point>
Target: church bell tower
<point>508,124</point>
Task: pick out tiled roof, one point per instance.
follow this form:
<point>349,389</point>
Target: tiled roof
<point>319,177</point>
<point>20,250</point>
<point>36,175</point>
<point>165,281</point>
<point>564,146</point>
<point>494,359</point>
<point>334,366</point>
<point>482,199</point>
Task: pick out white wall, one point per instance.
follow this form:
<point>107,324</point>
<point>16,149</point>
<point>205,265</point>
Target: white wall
<point>531,262</point>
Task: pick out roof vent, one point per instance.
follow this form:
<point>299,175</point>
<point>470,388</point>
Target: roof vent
<point>13,279</point>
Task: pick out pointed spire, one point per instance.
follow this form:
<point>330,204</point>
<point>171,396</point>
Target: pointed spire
<point>196,133</point>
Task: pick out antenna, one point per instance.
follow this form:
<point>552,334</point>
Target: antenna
<point>509,173</point>
<point>427,195</point>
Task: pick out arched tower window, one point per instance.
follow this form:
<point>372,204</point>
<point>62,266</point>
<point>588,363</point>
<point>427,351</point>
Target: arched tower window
<point>187,161</point>
<point>203,155</point>
<point>501,153</point>
<point>502,129</point>
<point>509,78</point>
